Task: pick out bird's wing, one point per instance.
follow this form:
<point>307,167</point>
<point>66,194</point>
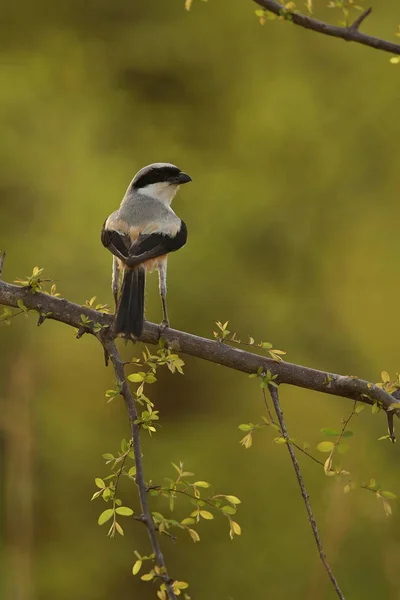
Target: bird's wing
<point>153,245</point>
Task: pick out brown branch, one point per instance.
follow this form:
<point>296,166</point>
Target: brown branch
<point>275,399</point>
<point>214,351</point>
<point>113,354</point>
<point>349,34</point>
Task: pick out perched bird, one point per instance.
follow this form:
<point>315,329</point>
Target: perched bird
<point>140,234</point>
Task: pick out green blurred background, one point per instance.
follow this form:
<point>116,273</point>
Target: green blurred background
<point>292,142</point>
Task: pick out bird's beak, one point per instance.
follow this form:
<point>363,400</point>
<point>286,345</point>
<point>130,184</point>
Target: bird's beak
<point>183,178</point>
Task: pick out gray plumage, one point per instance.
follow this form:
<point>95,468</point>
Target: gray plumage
<point>140,234</point>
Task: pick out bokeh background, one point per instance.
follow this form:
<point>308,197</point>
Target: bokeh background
<point>292,141</point>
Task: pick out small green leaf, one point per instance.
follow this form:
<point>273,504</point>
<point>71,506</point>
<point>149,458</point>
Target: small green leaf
<point>188,521</point>
<point>201,484</point>
<point>375,408</point>
<point>194,535</point>
<point>233,499</point>
<point>125,511</point>
<point>206,515</point>
<point>147,576</point>
<point>325,446</point>
<point>228,509</point>
<point>108,456</point>
<point>136,567</point>
<point>236,528</point>
<point>388,495</point>
<point>327,431</point>
<point>181,585</point>
<point>136,377</point>
<point>100,483</point>
<point>245,427</point>
<point>105,516</point>
<point>343,448</point>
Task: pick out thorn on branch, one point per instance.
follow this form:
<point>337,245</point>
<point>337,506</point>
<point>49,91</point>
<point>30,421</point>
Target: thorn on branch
<point>2,259</point>
<point>356,25</point>
<point>41,320</point>
<point>81,332</point>
<point>390,417</point>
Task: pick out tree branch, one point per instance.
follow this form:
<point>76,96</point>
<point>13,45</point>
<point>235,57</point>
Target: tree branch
<point>113,354</point>
<point>275,399</point>
<point>214,351</point>
<point>349,34</point>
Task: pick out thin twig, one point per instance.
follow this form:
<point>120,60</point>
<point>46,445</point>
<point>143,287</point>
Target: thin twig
<point>112,351</point>
<point>275,399</point>
<point>2,259</point>
<point>319,462</point>
<point>349,34</point>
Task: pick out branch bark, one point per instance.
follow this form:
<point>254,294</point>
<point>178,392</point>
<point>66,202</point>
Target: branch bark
<point>221,353</point>
<point>349,34</point>
<point>113,354</point>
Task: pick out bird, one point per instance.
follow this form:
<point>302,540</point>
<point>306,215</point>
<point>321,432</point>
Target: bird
<point>140,235</point>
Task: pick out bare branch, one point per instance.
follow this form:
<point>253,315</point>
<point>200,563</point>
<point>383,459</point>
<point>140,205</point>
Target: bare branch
<point>349,34</point>
<point>275,399</point>
<point>111,350</point>
<point>320,381</point>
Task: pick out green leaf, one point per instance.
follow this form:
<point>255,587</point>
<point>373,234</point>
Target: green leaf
<point>347,433</point>
<point>228,509</point>
<point>233,499</point>
<point>181,585</point>
<point>325,446</point>
<point>136,377</point>
<point>147,576</point>
<point>333,432</point>
<point>279,440</point>
<point>245,427</point>
<point>105,516</point>
<point>119,528</point>
<point>194,535</point>
<point>188,521</point>
<point>125,511</point>
<point>201,484</point>
<point>206,515</point>
<point>136,567</point>
<point>100,483</point>
<point>388,495</point>
<point>21,305</point>
<point>108,456</point>
<point>236,528</point>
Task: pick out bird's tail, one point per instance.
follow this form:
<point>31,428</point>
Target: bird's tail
<point>130,313</point>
